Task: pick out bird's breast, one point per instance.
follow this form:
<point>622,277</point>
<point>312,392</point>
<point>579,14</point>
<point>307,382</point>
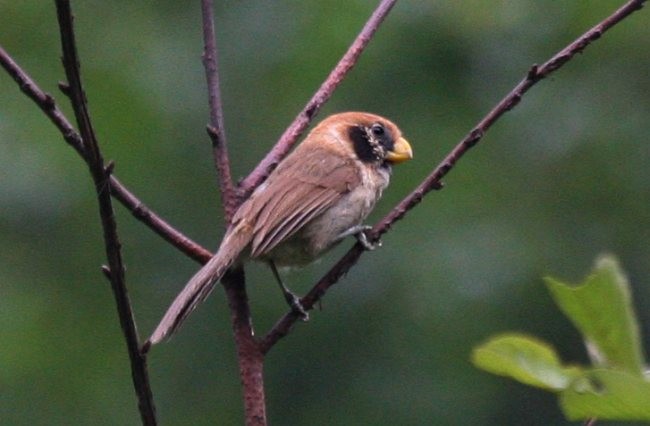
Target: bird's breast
<point>325,230</point>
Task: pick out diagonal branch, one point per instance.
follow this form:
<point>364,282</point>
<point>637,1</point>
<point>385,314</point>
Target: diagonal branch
<point>48,105</point>
<point>434,180</point>
<point>157,224</point>
<point>534,75</point>
<point>101,176</point>
<point>300,123</point>
<point>216,128</point>
<point>43,100</point>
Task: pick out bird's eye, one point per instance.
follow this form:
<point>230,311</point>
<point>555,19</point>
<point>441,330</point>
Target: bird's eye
<point>377,129</point>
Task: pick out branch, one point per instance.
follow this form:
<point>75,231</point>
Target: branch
<point>157,224</point>
<point>101,177</point>
<point>43,100</point>
<point>216,128</point>
<point>434,180</point>
<point>249,356</point>
<point>48,105</point>
<point>300,123</point>
<point>534,75</point>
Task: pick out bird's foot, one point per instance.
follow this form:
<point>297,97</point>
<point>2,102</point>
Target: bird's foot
<point>292,300</point>
<point>362,238</point>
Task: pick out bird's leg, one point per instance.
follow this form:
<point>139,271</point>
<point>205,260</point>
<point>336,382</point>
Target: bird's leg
<point>292,299</point>
<point>359,231</point>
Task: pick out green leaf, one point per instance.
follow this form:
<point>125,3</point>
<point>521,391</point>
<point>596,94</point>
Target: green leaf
<point>607,395</point>
<point>601,309</point>
<point>525,359</point>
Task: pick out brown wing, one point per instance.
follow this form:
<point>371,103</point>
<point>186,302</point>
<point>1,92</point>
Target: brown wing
<point>295,193</point>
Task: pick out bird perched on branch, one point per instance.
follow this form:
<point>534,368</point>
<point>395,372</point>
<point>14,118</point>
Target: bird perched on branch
<point>318,195</point>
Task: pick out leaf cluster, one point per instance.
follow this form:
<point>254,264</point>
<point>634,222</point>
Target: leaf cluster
<point>614,386</point>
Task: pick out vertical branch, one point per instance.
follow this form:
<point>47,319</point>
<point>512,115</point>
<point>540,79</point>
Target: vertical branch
<point>216,127</point>
<point>249,351</point>
<point>101,178</point>
<point>322,95</point>
<point>249,356</point>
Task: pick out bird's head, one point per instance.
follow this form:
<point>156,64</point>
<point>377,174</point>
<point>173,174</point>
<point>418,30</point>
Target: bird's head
<point>370,138</point>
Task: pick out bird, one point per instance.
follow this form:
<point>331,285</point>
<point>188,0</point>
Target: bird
<point>318,195</point>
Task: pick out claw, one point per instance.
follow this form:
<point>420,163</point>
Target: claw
<point>362,238</point>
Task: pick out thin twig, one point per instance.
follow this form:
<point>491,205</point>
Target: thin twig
<point>434,180</point>
<point>300,123</point>
<point>216,129</point>
<point>101,177</point>
<point>48,105</point>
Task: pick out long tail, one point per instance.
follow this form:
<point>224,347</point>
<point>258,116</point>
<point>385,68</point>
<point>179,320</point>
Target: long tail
<point>198,288</point>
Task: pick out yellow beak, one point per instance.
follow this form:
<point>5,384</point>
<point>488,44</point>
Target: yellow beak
<point>401,152</point>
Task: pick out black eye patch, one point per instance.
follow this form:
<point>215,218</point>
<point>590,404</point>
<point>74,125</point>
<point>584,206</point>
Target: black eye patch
<point>361,144</point>
<point>371,143</point>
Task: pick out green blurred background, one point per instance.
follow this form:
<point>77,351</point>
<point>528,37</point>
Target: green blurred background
<point>562,178</point>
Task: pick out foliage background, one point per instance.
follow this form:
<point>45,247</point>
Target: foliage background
<point>560,179</point>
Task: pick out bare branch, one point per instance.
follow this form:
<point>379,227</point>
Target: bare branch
<point>44,101</point>
<point>434,180</point>
<point>101,177</point>
<point>157,224</point>
<point>300,123</point>
<point>249,356</point>
<point>534,75</point>
<point>48,105</point>
<point>216,128</point>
